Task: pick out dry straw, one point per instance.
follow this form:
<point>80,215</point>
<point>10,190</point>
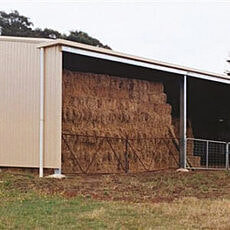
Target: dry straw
<point>103,105</point>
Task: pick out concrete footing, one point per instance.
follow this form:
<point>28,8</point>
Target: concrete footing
<point>182,170</point>
<point>56,176</point>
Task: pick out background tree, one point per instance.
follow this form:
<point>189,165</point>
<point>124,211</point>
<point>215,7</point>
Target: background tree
<point>84,38</point>
<point>14,24</point>
<point>46,33</point>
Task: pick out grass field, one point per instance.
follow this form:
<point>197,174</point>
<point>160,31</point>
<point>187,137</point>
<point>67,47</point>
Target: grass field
<point>159,200</point>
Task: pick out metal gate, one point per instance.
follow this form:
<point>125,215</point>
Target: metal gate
<point>207,154</point>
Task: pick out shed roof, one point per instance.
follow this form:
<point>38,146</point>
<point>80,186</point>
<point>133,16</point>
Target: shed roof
<point>44,42</point>
<point>25,39</point>
<point>128,56</point>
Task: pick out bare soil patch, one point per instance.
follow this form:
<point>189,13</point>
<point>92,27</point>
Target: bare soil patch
<point>151,187</point>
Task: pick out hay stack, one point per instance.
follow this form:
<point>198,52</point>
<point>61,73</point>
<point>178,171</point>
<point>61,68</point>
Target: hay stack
<point>102,105</point>
<point>194,161</point>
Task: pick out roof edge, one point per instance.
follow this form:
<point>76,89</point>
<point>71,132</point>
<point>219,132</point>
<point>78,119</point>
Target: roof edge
<point>24,39</point>
<point>128,56</point>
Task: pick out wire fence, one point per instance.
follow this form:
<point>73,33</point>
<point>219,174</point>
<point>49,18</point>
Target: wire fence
<point>115,154</point>
<point>95,154</point>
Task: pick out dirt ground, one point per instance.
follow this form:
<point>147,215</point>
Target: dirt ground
<point>151,187</point>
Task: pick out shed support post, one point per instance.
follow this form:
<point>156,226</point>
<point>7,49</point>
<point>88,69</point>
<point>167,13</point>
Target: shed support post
<point>183,121</point>
<point>57,171</point>
<point>41,134</point>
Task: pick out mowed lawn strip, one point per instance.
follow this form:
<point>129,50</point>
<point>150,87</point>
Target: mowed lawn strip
<point>27,203</point>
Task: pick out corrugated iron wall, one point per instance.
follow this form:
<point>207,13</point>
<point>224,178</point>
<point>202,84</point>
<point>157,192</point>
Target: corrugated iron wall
<point>53,107</point>
<point>19,105</point>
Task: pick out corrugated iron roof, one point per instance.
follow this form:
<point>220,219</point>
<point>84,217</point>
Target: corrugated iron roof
<point>128,56</point>
<point>43,43</point>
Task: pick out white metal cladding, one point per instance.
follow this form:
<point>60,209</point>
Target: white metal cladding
<point>20,104</point>
<point>53,107</point>
<point>144,64</point>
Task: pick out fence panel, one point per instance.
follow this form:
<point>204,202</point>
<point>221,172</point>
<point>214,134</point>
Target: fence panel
<point>207,154</point>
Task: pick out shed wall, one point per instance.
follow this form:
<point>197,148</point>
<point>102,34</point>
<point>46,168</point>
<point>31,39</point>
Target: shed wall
<point>19,105</point>
<point>53,107</point>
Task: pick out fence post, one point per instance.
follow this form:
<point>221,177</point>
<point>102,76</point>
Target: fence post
<point>126,156</point>
<point>227,156</point>
<point>207,145</point>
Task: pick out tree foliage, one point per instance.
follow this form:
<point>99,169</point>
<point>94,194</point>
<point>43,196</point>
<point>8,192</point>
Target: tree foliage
<point>14,24</point>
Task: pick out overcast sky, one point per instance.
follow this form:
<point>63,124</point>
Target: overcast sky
<point>190,33</point>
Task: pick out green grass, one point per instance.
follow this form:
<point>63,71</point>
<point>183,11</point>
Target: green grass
<point>38,212</point>
<point>28,208</point>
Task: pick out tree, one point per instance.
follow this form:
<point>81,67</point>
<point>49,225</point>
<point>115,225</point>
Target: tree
<point>82,37</point>
<point>14,24</point>
<point>46,33</point>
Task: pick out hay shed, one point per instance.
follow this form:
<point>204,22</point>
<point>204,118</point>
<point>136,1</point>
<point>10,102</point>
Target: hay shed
<point>52,88</point>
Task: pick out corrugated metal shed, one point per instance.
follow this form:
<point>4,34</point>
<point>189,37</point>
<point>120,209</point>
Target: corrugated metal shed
<point>20,72</point>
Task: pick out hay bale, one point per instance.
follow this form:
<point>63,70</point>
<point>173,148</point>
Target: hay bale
<point>102,105</point>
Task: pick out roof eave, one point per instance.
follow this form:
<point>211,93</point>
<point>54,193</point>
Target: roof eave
<point>81,46</point>
<point>24,39</point>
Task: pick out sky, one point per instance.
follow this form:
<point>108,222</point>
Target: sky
<point>190,33</point>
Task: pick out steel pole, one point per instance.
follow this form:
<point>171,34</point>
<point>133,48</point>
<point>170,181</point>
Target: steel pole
<point>227,156</point>
<point>183,121</point>
<point>41,134</point>
<point>207,145</point>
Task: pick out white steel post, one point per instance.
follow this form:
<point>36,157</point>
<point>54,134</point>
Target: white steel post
<point>207,146</point>
<point>57,171</point>
<point>227,156</point>
<point>41,135</point>
<point>183,121</point>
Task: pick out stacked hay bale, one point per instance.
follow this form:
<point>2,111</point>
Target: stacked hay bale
<point>97,105</point>
<point>194,161</point>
